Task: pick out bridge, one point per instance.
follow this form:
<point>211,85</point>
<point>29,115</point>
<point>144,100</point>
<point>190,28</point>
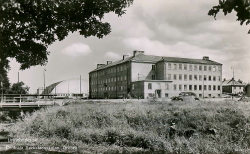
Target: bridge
<point>25,102</point>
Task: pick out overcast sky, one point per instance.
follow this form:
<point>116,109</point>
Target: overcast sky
<point>175,28</point>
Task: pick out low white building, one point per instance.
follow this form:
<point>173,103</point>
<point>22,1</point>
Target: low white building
<point>71,88</point>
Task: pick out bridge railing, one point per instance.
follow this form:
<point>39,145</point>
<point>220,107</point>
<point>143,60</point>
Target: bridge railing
<point>26,98</point>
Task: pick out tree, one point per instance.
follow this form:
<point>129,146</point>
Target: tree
<point>240,81</point>
<point>5,84</point>
<point>27,27</point>
<point>18,88</point>
<point>242,8</point>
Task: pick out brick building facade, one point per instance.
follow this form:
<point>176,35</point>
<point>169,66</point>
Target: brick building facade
<point>147,75</point>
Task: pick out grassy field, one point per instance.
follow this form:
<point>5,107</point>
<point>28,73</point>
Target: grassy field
<point>139,127</point>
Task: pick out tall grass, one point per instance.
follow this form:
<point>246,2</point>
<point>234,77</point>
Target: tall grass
<point>142,127</point>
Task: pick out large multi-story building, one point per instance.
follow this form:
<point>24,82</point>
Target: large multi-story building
<point>144,76</point>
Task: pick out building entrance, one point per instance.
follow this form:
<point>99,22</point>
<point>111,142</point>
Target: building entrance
<point>158,93</point>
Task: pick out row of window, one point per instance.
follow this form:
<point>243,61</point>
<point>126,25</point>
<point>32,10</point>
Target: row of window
<point>192,77</point>
<point>166,95</point>
<point>102,89</point>
<point>190,67</point>
<point>186,87</point>
<point>110,80</point>
<point>181,87</point>
<point>109,71</point>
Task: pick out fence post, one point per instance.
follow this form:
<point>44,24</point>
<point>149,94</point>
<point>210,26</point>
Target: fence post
<point>20,101</point>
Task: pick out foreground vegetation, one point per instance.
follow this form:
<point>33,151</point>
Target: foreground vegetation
<point>140,127</point>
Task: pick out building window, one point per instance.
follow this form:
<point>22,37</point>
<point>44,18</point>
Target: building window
<point>166,94</point>
<point>121,68</point>
<point>121,88</point>
<point>166,86</point>
<point>175,66</point>
<point>218,78</point>
<point>195,87</point>
<point>149,85</point>
<point>180,87</point>
<point>205,78</point>
<point>185,76</point>
<point>133,86</point>
<point>190,77</point>
<point>205,87</point>
<point>219,87</point>
<point>153,67</point>
<point>209,68</point>
<point>180,76</point>
<point>190,67</point>
<point>195,67</point>
<point>175,77</point>
<point>169,66</point>
<point>180,66</point>
<point>200,87</point>
<point>209,78</point>
<point>200,67</point>
<point>239,87</point>
<point>209,95</point>
<point>200,95</point>
<point>158,86</point>
<point>200,77</point>
<point>114,79</point>
<point>175,87</point>
<point>190,87</point>
<point>195,77</point>
<point>205,68</point>
<point>214,87</point>
<point>169,76</point>
<point>125,77</point>
<point>185,66</point>
<point>214,68</point>
<point>209,87</point>
<point>185,87</point>
<point>153,77</point>
<point>214,78</point>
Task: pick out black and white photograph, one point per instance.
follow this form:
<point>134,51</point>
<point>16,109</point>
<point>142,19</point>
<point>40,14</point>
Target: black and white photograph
<point>124,76</point>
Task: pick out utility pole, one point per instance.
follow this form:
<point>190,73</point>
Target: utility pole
<point>80,86</point>
<point>44,80</point>
<point>2,91</point>
<point>203,87</point>
<point>233,84</point>
<point>138,88</point>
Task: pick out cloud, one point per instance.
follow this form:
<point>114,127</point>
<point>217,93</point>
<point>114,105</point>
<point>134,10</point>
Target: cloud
<point>77,49</point>
<point>179,49</point>
<point>112,55</point>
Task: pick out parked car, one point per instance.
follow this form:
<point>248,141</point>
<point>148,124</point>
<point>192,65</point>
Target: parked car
<point>176,98</point>
<point>185,96</point>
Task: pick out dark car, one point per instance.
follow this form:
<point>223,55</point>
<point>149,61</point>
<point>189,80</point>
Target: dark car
<point>176,98</point>
<point>185,96</point>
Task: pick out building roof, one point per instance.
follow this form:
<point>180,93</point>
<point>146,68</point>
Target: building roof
<point>232,82</point>
<point>67,86</point>
<point>190,60</point>
<point>155,59</point>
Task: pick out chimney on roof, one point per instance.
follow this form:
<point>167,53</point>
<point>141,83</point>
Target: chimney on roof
<point>100,65</point>
<point>109,62</point>
<point>205,58</point>
<point>137,52</point>
<point>125,56</point>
